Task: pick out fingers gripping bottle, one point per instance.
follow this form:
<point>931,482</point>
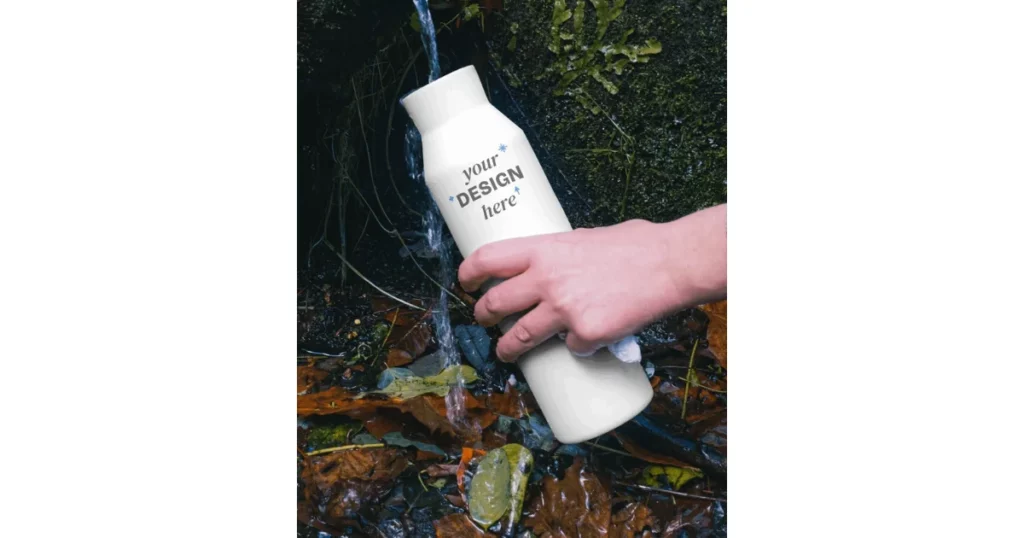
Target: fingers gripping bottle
<point>489,186</point>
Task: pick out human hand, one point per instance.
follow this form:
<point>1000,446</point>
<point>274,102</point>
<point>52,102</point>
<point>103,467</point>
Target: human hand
<point>599,285</point>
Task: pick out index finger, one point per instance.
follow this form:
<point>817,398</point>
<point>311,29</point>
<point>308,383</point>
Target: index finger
<point>501,259</point>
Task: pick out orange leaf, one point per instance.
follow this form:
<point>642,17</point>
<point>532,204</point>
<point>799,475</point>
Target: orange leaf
<point>309,377</point>
<point>457,526</point>
<point>429,409</point>
<point>631,520</point>
<point>467,455</point>
<point>508,403</point>
<point>717,329</point>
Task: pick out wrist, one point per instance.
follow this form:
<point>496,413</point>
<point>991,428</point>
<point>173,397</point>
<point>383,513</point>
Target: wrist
<point>694,257</point>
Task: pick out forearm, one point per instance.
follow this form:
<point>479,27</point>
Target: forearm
<point>695,256</point>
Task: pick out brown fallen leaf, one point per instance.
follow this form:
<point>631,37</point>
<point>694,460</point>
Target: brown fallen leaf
<point>309,377</point>
<point>646,455</point>
<point>457,526</point>
<point>339,484</point>
<point>577,505</point>
<point>442,469</point>
<point>634,520</point>
<point>381,424</point>
<point>695,518</point>
<point>429,409</point>
<point>409,333</point>
<point>717,329</point>
<point>398,357</point>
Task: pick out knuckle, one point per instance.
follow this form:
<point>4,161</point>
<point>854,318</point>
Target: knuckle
<point>589,331</point>
<point>490,303</point>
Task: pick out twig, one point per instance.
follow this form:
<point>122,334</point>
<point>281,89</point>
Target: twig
<point>398,235</point>
<point>612,450</point>
<point>369,158</point>
<point>385,341</point>
<point>368,281</point>
<point>686,391</point>
<point>387,137</point>
<point>340,448</point>
<point>321,354</point>
<point>667,491</point>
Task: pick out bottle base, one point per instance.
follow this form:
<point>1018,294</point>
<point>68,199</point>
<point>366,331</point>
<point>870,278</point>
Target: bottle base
<point>584,397</point>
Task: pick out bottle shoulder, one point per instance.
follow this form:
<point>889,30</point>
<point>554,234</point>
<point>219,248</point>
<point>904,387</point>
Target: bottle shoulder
<point>474,134</point>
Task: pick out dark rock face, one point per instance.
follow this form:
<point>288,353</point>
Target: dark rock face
<point>627,101</point>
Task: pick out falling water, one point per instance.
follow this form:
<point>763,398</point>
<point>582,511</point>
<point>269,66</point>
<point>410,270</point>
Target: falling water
<point>433,224</point>
<point>429,40</point>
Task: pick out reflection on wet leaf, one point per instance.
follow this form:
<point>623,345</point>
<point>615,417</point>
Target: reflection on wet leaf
<point>632,521</point>
<point>405,388</point>
<point>520,461</point>
<point>577,505</point>
<point>662,476</point>
<point>489,492</point>
<point>339,484</point>
<point>475,345</point>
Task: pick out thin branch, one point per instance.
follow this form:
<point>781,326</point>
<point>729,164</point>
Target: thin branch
<point>368,281</point>
<point>689,373</point>
<point>612,450</point>
<point>395,233</point>
<point>369,158</point>
<point>340,448</point>
<point>387,138</point>
<point>385,341</point>
<point>668,491</point>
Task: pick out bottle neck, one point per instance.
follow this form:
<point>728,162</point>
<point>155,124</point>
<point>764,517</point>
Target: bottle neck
<point>447,97</point>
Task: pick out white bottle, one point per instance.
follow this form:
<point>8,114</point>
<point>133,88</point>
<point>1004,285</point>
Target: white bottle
<point>489,186</point>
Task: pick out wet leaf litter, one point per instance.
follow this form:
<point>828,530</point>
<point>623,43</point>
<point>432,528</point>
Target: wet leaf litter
<point>379,450</point>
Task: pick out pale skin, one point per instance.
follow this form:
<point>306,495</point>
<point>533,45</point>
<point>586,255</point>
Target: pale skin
<point>598,285</point>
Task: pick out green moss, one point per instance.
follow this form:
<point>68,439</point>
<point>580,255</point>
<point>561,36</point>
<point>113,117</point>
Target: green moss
<point>330,436</point>
<point>575,57</point>
<point>620,138</point>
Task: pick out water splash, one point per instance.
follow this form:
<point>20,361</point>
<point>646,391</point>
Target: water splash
<point>434,228</point>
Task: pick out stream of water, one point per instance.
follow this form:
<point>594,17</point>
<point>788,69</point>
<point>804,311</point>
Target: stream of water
<point>433,224</point>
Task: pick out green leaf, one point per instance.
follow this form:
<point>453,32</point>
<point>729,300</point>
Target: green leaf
<point>405,388</point>
<point>470,11</point>
<point>439,483</point>
<point>489,492</point>
<point>397,439</point>
<point>658,476</point>
<point>651,46</point>
<point>414,21</point>
<point>520,461</point>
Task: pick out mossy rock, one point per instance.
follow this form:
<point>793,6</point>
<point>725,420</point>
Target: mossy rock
<point>614,91</point>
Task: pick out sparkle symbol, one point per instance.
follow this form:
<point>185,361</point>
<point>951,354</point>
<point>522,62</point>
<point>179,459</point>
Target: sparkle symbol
<point>517,189</point>
<point>451,198</point>
<point>502,148</point>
